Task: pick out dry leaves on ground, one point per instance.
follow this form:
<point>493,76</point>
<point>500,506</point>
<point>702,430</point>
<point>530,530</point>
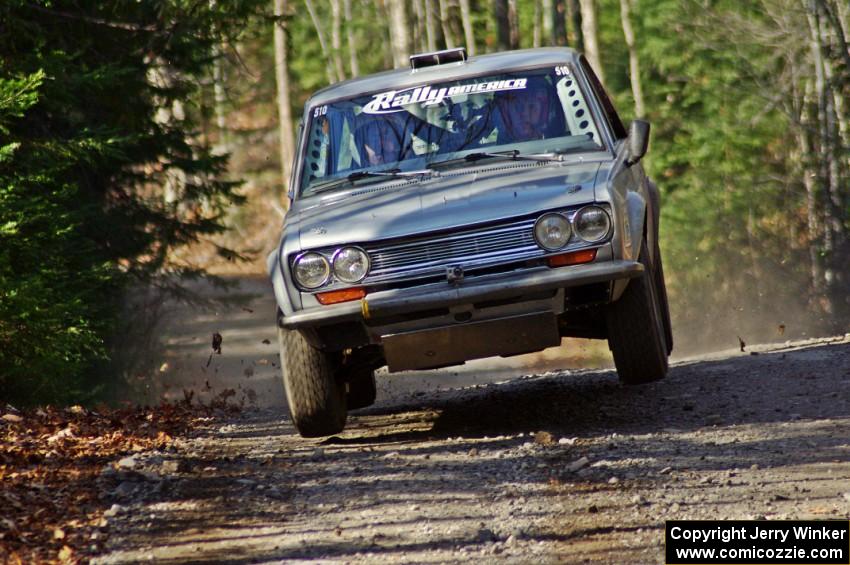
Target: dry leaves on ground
<point>49,462</point>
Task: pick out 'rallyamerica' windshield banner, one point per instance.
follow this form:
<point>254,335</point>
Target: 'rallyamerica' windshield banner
<point>393,100</point>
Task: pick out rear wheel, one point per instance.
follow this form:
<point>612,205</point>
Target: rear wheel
<point>636,333</point>
<point>315,395</point>
<point>362,390</point>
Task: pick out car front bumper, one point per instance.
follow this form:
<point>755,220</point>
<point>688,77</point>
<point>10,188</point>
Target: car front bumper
<point>471,290</point>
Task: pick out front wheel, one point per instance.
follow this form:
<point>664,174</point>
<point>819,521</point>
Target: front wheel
<point>636,333</point>
<point>362,390</point>
<point>664,304</point>
<point>315,395</point>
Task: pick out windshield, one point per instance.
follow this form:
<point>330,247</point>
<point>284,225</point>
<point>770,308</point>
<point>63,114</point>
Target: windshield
<point>531,111</point>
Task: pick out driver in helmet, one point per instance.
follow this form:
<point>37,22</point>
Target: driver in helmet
<point>381,141</point>
<point>525,113</point>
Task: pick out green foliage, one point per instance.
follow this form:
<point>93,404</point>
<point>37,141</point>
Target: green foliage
<point>96,116</point>
<point>720,155</point>
<point>52,312</point>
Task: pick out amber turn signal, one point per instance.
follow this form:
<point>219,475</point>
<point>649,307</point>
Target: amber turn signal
<point>573,258</point>
<point>337,296</point>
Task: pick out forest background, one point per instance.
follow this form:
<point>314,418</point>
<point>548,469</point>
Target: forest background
<point>143,144</point>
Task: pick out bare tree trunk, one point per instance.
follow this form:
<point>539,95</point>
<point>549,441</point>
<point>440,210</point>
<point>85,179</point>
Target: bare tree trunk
<point>843,13</point>
<point>450,27</point>
<point>322,43</point>
<point>336,38</point>
<point>837,260</point>
<point>164,76</point>
<point>382,26</point>
<point>834,16</point>
<point>548,21</point>
<point>839,103</point>
<point>503,26</point>
<point>559,20</point>
<point>430,25</point>
<point>219,96</point>
<point>466,20</point>
<point>634,63</point>
<point>825,165</point>
<point>809,176</point>
<point>420,37</point>
<point>574,36</point>
<point>399,34</point>
<point>284,111</point>
<point>352,41</point>
<point>513,21</point>
<point>589,32</point>
<point>536,30</point>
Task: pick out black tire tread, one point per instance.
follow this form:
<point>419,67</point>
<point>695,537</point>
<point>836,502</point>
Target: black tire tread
<point>362,390</point>
<point>661,287</point>
<point>635,334</point>
<point>316,398</point>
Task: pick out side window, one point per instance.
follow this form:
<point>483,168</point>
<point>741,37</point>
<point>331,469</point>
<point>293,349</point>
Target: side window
<point>610,113</point>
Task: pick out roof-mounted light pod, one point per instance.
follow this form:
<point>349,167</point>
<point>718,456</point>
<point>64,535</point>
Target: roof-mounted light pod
<point>422,60</point>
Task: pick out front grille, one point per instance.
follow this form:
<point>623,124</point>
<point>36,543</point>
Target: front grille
<point>471,248</point>
<point>478,250</point>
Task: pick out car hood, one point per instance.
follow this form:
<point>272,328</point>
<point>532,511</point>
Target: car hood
<point>454,198</point>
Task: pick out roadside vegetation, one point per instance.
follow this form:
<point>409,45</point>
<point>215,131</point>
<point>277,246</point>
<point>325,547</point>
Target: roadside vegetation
<point>104,170</point>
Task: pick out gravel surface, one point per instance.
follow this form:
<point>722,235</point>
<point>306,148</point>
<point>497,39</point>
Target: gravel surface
<point>563,466</point>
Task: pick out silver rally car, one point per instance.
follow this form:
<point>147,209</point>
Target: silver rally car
<point>461,209</point>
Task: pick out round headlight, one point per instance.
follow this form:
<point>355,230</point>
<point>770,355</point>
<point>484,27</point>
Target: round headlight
<point>351,264</point>
<point>592,224</point>
<point>311,270</point>
<point>552,231</point>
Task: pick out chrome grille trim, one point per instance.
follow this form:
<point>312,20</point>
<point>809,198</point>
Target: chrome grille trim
<point>428,256</point>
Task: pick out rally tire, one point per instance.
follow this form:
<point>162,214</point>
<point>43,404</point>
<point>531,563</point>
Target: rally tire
<point>316,397</point>
<point>362,390</point>
<point>636,333</point>
<point>661,290</point>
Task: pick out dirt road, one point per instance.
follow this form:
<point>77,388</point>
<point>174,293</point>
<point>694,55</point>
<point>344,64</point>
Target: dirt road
<point>557,467</point>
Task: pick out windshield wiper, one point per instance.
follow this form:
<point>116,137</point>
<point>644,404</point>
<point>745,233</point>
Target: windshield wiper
<point>357,175</point>
<point>512,154</point>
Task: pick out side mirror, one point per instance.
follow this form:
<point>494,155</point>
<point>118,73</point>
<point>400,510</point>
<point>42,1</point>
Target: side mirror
<point>638,141</point>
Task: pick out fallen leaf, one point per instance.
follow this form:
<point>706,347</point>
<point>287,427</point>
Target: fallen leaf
<point>58,533</point>
<point>64,433</point>
<point>543,438</point>
<point>12,418</point>
<point>66,555</point>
